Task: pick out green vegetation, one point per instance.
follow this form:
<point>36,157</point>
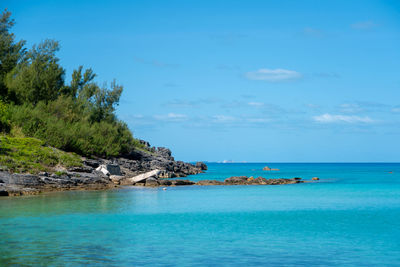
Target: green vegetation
<point>36,101</point>
<point>32,155</point>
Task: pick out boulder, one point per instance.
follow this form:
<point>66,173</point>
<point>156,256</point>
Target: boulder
<point>201,165</point>
<point>113,169</point>
<point>152,181</point>
<point>91,163</point>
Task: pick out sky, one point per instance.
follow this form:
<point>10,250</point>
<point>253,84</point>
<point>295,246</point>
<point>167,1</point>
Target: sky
<point>246,81</point>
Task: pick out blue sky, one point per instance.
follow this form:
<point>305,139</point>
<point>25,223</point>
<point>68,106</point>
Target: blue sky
<point>267,81</point>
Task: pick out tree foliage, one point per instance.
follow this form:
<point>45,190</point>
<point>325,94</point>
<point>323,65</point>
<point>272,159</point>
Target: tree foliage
<point>39,76</point>
<point>78,117</point>
<point>11,52</point>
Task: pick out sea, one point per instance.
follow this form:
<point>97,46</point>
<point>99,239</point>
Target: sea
<point>350,217</point>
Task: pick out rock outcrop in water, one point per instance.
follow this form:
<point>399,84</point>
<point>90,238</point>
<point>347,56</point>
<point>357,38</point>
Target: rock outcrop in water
<point>235,180</point>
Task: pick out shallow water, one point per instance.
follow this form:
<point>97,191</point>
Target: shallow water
<point>351,217</point>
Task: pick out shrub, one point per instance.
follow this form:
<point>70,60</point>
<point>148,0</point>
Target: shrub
<point>32,155</point>
<point>65,124</point>
<point>4,117</point>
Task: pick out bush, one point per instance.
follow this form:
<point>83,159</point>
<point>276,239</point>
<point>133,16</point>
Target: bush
<point>4,117</point>
<point>65,124</point>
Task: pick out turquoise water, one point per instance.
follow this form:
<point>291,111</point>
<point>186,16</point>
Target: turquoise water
<point>351,217</point>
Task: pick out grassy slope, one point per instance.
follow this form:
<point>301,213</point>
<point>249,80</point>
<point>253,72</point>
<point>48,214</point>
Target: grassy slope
<point>31,155</point>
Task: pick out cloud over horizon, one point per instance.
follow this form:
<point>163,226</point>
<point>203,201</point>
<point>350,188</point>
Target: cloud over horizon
<point>173,117</point>
<point>273,75</point>
<point>331,118</point>
<point>363,25</point>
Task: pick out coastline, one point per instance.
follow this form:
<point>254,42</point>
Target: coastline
<point>29,185</point>
<point>151,167</point>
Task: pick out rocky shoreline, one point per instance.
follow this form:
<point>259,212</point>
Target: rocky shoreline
<point>152,168</point>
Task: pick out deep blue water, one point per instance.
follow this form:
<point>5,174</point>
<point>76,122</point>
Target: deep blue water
<point>351,217</point>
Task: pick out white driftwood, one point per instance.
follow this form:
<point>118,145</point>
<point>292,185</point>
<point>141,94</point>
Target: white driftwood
<point>143,176</point>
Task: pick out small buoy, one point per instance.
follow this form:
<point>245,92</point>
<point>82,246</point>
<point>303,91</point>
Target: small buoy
<point>390,172</point>
<point>164,188</point>
<point>315,178</point>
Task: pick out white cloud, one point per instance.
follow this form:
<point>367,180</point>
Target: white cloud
<point>256,104</point>
<point>312,32</point>
<point>313,106</point>
<point>329,118</point>
<point>155,63</point>
<point>223,118</point>
<point>258,120</point>
<point>363,25</point>
<point>396,110</point>
<point>351,108</point>
<point>171,117</point>
<point>273,75</point>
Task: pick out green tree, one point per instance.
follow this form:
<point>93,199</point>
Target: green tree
<point>79,81</point>
<point>11,52</point>
<point>39,76</point>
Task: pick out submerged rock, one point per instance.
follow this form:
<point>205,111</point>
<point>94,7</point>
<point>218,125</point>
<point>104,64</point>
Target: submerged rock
<point>152,182</point>
<point>209,182</point>
<point>182,182</point>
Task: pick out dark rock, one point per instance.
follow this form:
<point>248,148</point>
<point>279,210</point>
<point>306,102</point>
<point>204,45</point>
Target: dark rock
<point>152,182</point>
<point>166,174</point>
<point>201,165</point>
<point>209,182</point>
<point>165,153</point>
<point>141,161</point>
<point>21,179</point>
<point>236,180</point>
<point>260,180</point>
<point>87,169</point>
<point>92,163</point>
<point>182,182</point>
<point>113,169</point>
<point>165,182</point>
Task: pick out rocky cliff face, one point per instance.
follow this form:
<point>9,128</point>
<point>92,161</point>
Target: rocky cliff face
<point>141,161</point>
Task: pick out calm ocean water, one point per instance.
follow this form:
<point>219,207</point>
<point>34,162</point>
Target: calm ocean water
<point>351,217</point>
